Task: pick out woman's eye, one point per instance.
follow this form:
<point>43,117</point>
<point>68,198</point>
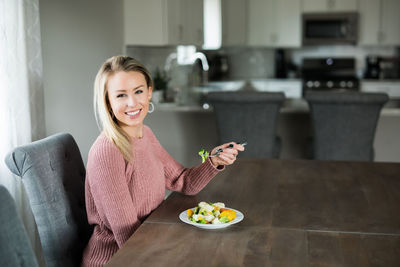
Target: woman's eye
<point>139,92</point>
<point>121,95</point>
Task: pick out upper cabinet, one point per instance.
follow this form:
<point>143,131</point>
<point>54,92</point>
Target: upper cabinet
<point>234,22</point>
<point>390,22</point>
<point>329,6</point>
<point>163,22</point>
<point>379,22</point>
<point>274,23</point>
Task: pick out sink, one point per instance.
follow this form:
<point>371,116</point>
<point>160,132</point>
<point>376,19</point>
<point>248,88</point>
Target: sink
<point>222,86</point>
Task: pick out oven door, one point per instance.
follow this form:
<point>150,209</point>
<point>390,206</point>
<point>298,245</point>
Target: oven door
<point>330,28</point>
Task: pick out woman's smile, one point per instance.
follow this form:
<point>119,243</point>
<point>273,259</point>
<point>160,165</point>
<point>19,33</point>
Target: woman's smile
<point>133,114</point>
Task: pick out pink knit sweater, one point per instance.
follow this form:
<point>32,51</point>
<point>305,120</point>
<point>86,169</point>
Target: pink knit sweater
<point>119,195</point>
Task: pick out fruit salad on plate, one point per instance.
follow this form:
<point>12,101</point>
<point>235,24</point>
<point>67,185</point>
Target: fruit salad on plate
<point>211,213</point>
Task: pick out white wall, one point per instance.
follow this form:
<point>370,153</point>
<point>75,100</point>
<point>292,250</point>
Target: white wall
<point>77,37</point>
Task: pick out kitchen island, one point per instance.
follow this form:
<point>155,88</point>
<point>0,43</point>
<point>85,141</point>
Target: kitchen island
<point>184,130</point>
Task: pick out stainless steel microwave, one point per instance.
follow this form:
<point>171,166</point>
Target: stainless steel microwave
<point>329,28</point>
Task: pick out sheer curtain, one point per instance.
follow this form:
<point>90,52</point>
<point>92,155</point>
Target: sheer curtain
<point>21,95</point>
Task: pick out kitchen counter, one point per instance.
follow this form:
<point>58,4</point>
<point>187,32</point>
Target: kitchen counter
<point>183,130</point>
<point>290,106</point>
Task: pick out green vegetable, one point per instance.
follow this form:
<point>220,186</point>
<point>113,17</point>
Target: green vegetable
<point>224,219</point>
<point>204,155</point>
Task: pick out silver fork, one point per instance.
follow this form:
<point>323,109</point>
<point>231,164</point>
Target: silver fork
<point>219,150</point>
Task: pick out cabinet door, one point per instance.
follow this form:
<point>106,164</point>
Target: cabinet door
<point>390,22</point>
<point>144,22</point>
<point>287,26</point>
<point>314,6</point>
<point>260,22</point>
<point>370,13</point>
<point>173,11</point>
<point>192,22</point>
<point>274,23</point>
<point>342,5</point>
<point>329,5</point>
<point>234,22</point>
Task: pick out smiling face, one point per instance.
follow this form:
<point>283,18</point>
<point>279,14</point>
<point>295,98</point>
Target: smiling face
<point>129,97</point>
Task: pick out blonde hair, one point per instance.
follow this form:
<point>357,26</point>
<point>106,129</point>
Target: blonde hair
<point>102,108</point>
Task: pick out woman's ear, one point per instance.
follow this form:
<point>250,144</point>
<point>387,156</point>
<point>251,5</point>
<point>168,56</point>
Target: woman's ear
<point>150,92</point>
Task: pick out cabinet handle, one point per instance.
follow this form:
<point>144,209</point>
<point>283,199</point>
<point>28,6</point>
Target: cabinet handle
<point>274,38</point>
<point>199,35</point>
<point>180,32</point>
<point>381,36</point>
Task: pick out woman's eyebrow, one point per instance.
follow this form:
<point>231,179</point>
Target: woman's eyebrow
<point>124,90</point>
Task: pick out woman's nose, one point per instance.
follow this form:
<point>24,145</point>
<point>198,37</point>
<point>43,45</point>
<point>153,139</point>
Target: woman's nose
<point>131,100</point>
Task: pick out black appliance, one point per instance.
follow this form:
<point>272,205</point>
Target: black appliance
<point>390,68</point>
<point>219,67</point>
<point>329,74</point>
<point>280,64</point>
<point>373,67</point>
<point>329,28</point>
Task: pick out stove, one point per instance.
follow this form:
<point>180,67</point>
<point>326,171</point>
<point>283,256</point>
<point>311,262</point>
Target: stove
<point>329,74</point>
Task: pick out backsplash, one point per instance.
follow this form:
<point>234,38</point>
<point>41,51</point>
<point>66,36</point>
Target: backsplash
<point>246,62</point>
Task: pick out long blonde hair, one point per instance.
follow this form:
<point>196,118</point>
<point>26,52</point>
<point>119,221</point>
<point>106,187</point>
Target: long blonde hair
<point>102,108</point>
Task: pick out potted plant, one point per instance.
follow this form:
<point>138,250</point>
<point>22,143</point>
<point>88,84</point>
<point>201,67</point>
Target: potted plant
<point>160,80</point>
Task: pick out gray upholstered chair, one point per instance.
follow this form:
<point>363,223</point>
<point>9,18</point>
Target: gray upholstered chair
<point>248,116</point>
<point>15,247</point>
<point>344,124</point>
<point>53,175</point>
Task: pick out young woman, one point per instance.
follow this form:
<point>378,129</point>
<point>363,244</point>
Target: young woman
<point>127,169</point>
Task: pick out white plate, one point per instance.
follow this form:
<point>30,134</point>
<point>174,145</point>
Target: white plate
<point>184,218</point>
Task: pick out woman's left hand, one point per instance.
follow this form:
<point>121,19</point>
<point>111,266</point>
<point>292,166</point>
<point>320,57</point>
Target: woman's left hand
<point>227,156</point>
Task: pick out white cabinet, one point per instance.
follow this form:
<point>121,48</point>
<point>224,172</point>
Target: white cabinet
<point>329,6</point>
<point>379,22</point>
<point>369,22</point>
<point>274,23</point>
<point>163,22</point>
<point>390,22</point>
<point>234,21</point>
<point>391,88</point>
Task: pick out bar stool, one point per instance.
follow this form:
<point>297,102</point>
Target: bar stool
<point>344,124</point>
<point>251,117</point>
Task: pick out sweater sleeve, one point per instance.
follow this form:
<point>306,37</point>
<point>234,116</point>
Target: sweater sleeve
<point>188,181</point>
<point>109,188</point>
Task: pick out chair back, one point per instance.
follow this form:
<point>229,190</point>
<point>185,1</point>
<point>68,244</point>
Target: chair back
<point>15,247</point>
<point>344,124</point>
<point>53,175</point>
<point>248,116</point>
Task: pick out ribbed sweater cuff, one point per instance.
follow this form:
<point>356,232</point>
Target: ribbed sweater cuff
<point>203,173</point>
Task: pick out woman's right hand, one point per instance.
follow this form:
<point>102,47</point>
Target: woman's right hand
<point>227,156</point>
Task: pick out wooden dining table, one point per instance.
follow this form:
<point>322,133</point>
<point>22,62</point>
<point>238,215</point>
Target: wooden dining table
<point>296,213</point>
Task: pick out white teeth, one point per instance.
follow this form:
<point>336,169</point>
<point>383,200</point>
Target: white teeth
<point>133,113</point>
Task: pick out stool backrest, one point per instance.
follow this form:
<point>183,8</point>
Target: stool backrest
<point>344,124</point>
<point>248,116</point>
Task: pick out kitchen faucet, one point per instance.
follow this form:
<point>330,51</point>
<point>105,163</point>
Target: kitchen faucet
<point>187,55</point>
<point>204,64</point>
<point>168,61</point>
